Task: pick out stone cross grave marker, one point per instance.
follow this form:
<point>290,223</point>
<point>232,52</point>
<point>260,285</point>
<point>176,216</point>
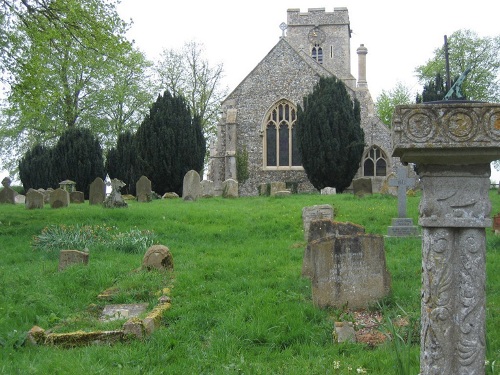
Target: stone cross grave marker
<point>402,226</point>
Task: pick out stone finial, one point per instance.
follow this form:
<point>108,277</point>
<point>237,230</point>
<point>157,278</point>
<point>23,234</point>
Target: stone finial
<point>362,52</point>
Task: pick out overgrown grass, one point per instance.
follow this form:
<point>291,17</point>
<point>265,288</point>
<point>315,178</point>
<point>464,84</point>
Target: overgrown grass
<point>239,304</point>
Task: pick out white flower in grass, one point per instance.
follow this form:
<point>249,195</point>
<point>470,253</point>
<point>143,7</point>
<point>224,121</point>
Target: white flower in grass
<point>361,370</point>
<point>336,365</point>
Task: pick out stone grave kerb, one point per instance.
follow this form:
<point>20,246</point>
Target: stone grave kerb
<point>452,143</point>
<point>402,182</point>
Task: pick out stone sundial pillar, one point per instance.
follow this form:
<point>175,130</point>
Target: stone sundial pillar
<point>452,144</point>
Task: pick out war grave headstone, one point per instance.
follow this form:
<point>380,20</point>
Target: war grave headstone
<point>362,186</point>
<point>207,189</point>
<point>59,198</point>
<point>70,257</point>
<point>453,144</point>
<point>321,211</point>
<point>34,200</point>
<point>143,190</point>
<point>115,199</point>
<point>402,226</point>
<point>348,270</point>
<point>191,187</point>
<point>230,188</point>
<point>97,192</point>
<point>7,194</point>
<point>76,197</point>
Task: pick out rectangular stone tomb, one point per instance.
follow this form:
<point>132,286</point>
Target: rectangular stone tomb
<point>349,271</point>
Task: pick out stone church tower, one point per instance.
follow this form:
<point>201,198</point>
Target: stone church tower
<point>259,116</point>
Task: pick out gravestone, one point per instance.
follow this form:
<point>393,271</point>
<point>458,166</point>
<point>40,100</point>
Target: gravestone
<point>402,226</point>
<point>207,189</point>
<point>7,194</point>
<point>320,228</point>
<point>329,191</point>
<point>348,270</point>
<point>68,185</point>
<point>34,200</point>
<point>362,186</point>
<point>59,198</point>
<point>76,197</point>
<point>70,257</point>
<point>230,189</point>
<point>158,257</point>
<point>386,188</point>
<point>191,187</point>
<point>170,195</point>
<point>143,190</point>
<point>321,211</point>
<point>453,144</point>
<point>277,186</point>
<point>115,199</point>
<point>263,189</point>
<point>20,199</point>
<point>97,192</point>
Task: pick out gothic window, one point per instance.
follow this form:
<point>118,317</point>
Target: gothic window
<point>280,143</point>
<point>374,163</point>
<point>317,53</point>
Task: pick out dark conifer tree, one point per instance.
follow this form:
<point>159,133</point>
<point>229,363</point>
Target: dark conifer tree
<point>121,162</point>
<point>433,91</point>
<point>169,143</point>
<point>77,156</point>
<point>330,136</point>
<point>35,169</point>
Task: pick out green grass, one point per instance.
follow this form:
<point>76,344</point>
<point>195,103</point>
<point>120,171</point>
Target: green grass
<point>239,304</point>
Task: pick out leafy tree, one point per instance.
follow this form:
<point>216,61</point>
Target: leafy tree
<point>169,143</point>
<point>388,100</point>
<point>68,64</point>
<point>330,136</point>
<point>121,162</point>
<point>77,156</point>
<point>467,49</point>
<point>35,168</point>
<point>187,73</point>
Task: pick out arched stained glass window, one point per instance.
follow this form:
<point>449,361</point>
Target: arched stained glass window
<point>280,144</point>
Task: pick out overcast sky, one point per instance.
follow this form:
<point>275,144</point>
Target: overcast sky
<point>399,34</point>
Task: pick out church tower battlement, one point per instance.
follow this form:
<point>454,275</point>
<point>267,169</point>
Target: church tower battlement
<point>325,36</point>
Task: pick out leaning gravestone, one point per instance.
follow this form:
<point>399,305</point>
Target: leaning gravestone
<point>143,190</point>
<point>348,270</point>
<point>34,200</point>
<point>321,211</point>
<point>191,187</point>
<point>207,188</point>
<point>97,192</point>
<point>70,257</point>
<point>76,197</point>
<point>59,198</point>
<point>115,199</point>
<point>230,188</point>
<point>453,144</point>
<point>362,186</point>
<point>402,226</point>
<point>158,257</point>
<point>7,194</point>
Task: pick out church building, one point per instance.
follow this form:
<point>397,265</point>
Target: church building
<point>259,116</point>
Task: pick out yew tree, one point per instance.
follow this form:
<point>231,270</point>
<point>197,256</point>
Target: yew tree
<point>330,136</point>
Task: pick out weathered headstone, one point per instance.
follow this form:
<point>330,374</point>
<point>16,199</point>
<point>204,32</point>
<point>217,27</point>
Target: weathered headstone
<point>322,211</point>
<point>349,270</point>
<point>329,191</point>
<point>7,194</point>
<point>68,185</point>
<point>97,192</point>
<point>386,188</point>
<point>207,189</point>
<point>453,144</point>
<point>170,195</point>
<point>263,189</point>
<point>76,197</point>
<point>143,190</point>
<point>277,186</point>
<point>34,199</point>
<point>59,198</point>
<point>230,188</point>
<point>402,226</point>
<point>362,186</point>
<point>344,332</point>
<point>20,199</point>
<point>70,257</point>
<point>321,228</point>
<point>115,199</point>
<point>191,187</point>
<point>158,257</point>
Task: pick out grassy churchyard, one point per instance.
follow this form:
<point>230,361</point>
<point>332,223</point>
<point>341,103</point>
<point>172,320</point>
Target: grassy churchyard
<point>239,303</point>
